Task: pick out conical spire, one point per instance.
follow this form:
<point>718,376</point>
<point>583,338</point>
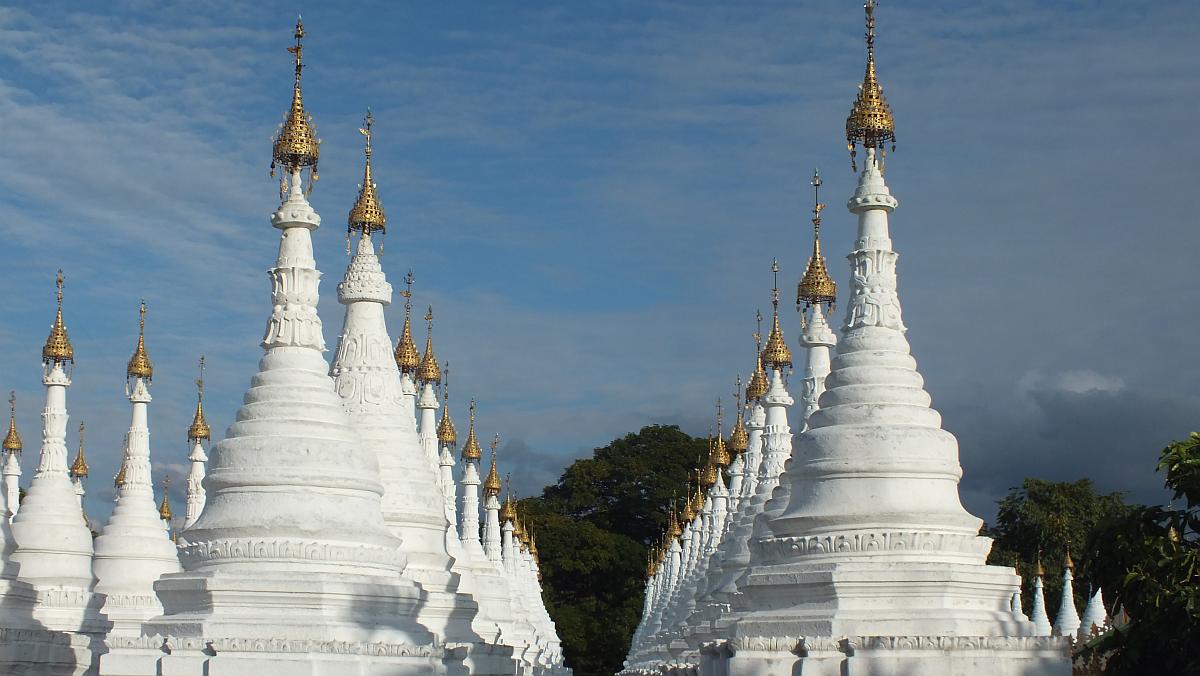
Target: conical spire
<point>79,468</point>
<point>428,371</point>
<point>739,439</point>
<point>199,428</point>
<point>407,356</point>
<point>758,385</point>
<point>164,508</point>
<point>508,511</point>
<point>296,145</point>
<point>367,215</point>
<point>870,123</point>
<point>139,363</point>
<point>719,457</point>
<point>491,484</point>
<point>57,349</point>
<point>446,433</point>
<point>776,354</point>
<point>816,286</point>
<point>471,449</point>
<point>12,440</point>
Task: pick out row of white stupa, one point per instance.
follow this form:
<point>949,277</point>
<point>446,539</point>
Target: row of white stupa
<point>844,549</point>
<point>328,537</point>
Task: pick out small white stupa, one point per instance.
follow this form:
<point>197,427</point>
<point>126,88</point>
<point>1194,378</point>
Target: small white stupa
<point>198,433</point>
<point>12,463</point>
<point>54,543</point>
<point>134,549</point>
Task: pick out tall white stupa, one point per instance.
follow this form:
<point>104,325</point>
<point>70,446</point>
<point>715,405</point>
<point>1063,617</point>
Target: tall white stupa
<point>134,549</point>
<point>290,567</point>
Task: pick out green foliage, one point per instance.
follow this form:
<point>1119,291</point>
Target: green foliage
<point>593,528</point>
<point>1151,568</point>
<point>1045,517</point>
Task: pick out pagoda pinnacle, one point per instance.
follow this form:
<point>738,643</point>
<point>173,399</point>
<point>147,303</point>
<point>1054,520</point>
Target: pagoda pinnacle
<point>366,216</point>
<point>870,123</point>
<point>57,349</point>
<point>739,439</point>
<point>79,468</point>
<point>776,354</point>
<point>447,435</point>
<point>508,512</point>
<point>199,428</point>
<point>816,286</point>
<point>12,440</point>
<point>471,449</point>
<point>757,387</point>
<point>720,455</point>
<point>407,356</point>
<point>428,371</point>
<point>139,363</point>
<point>296,145</point>
<point>164,508</point>
<point>491,484</point>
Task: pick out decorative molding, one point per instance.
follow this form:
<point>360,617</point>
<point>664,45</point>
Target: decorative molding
<point>873,298</point>
<point>869,542</point>
<point>217,646</point>
<point>250,549</point>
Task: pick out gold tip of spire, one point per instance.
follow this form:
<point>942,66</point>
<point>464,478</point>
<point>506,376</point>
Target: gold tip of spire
<point>139,363</point>
<point>739,439</point>
<point>870,123</point>
<point>367,214</point>
<point>720,455</point>
<point>79,468</point>
<point>296,145</point>
<point>164,508</point>
<point>471,449</point>
<point>446,432</point>
<point>57,349</point>
<point>776,354</point>
<point>757,387</point>
<point>429,371</point>
<point>199,428</point>
<point>1068,563</point>
<point>491,485</point>
<point>816,286</point>
<point>119,479</point>
<point>12,440</point>
<point>1038,570</point>
<point>407,356</point>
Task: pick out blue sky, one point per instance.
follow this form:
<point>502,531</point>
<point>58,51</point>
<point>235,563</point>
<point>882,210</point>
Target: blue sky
<point>590,194</point>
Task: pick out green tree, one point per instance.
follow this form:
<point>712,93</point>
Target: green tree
<point>1044,518</point>
<point>593,527</point>
<point>1151,568</point>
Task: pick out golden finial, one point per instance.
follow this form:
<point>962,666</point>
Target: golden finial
<point>139,363</point>
<point>12,440</point>
<point>689,508</point>
<point>79,468</point>
<point>521,533</point>
<point>508,511</point>
<point>119,479</point>
<point>776,354</point>
<point>447,435</point>
<point>296,145</point>
<point>164,509</point>
<point>407,356</point>
<point>739,440</point>
<point>870,122</point>
<point>674,530</point>
<point>708,477</point>
<point>471,449</point>
<point>367,214</point>
<point>720,455</point>
<point>199,429</point>
<point>816,287</point>
<point>57,349</point>
<point>1067,562</point>
<point>491,484</point>
<point>428,371</point>
<point>1037,567</point>
<point>757,387</point>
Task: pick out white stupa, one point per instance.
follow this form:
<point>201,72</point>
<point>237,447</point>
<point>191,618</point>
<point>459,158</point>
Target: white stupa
<point>290,565</point>
<point>198,433</point>
<point>12,463</point>
<point>134,550</point>
<point>872,558</point>
<point>54,544</point>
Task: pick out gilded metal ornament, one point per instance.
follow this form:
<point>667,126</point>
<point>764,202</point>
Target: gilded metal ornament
<point>57,349</point>
<point>139,363</point>
<point>870,123</point>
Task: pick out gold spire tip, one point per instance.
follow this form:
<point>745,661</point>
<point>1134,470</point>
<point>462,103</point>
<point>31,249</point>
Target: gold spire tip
<point>491,485</point>
<point>471,450</point>
<point>79,468</point>
<point>816,286</point>
<point>139,363</point>
<point>429,371</point>
<point>296,145</point>
<point>367,214</point>
<point>870,123</point>
<point>57,349</point>
<point>776,354</point>
<point>199,429</point>
<point>446,433</point>
<point>12,440</point>
<point>164,509</point>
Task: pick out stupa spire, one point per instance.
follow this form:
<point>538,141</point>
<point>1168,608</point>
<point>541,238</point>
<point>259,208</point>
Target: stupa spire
<point>12,462</point>
<point>815,293</point>
<point>164,507</point>
<point>1067,622</point>
<point>758,384</point>
<point>491,505</point>
<point>816,287</point>
<point>79,468</point>
<point>471,450</point>
<point>870,123</point>
<point>776,354</point>
<point>469,512</point>
<point>447,434</point>
<point>407,356</point>
<point>296,145</point>
<point>139,363</point>
<point>739,440</point>
<point>428,371</point>
<point>366,216</point>
<point>197,433</point>
<point>57,349</point>
<point>491,485</point>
